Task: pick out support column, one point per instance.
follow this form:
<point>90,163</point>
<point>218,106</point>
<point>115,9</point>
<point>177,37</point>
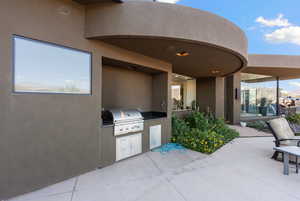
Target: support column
<point>233,100</point>
<point>210,95</point>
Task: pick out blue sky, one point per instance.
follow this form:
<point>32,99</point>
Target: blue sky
<point>272,27</point>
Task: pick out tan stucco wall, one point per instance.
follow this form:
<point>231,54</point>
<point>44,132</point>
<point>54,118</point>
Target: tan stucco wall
<point>123,88</point>
<point>162,30</point>
<point>282,66</point>
<point>210,95</point>
<point>277,61</point>
<point>46,138</point>
<point>97,1</point>
<point>232,105</point>
<point>149,19</point>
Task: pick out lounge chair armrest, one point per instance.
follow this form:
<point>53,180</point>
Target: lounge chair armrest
<point>287,139</point>
<point>278,142</point>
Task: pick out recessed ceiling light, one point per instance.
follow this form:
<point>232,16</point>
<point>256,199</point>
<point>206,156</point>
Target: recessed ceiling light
<point>64,10</point>
<point>215,71</point>
<point>182,54</point>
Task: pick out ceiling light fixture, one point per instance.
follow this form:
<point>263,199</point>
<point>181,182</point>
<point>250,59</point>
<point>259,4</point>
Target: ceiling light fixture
<point>215,71</point>
<point>182,54</point>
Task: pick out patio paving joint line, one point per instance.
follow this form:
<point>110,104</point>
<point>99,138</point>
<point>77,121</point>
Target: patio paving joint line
<point>154,163</point>
<point>74,188</point>
<point>56,194</point>
<point>174,187</point>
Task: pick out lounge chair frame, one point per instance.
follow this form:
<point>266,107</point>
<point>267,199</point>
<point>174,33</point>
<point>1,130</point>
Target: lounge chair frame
<point>277,142</point>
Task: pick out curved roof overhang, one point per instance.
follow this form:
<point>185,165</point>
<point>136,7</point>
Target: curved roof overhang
<point>282,66</point>
<point>97,1</point>
<point>216,47</point>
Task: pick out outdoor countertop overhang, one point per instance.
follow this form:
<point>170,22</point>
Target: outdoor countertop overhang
<point>282,66</point>
<point>215,46</point>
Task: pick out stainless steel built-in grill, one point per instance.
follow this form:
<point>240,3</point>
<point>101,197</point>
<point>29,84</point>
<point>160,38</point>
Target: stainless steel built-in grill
<point>124,120</point>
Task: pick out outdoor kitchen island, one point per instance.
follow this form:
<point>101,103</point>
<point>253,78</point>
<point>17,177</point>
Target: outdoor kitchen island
<point>134,110</point>
<point>109,139</point>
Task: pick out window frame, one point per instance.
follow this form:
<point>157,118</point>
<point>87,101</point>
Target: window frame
<point>14,36</point>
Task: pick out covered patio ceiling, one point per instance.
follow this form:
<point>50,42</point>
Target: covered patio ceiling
<point>282,66</point>
<point>197,43</point>
<point>203,59</point>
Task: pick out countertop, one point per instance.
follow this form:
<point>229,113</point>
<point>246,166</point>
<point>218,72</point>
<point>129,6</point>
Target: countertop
<point>153,115</point>
<point>146,115</point>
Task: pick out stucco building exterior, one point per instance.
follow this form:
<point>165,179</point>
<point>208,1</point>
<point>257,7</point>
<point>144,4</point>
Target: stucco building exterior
<point>127,52</point>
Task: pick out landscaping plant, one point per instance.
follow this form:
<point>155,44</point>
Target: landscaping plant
<point>201,132</point>
<point>293,118</point>
<point>195,105</point>
<point>258,125</point>
<point>179,128</point>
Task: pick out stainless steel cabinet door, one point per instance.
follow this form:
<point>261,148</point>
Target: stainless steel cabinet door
<point>128,146</point>
<point>155,136</point>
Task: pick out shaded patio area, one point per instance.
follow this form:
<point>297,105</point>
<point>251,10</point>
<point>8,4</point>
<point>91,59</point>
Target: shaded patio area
<point>241,170</point>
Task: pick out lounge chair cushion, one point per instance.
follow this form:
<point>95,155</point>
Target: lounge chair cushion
<point>282,128</point>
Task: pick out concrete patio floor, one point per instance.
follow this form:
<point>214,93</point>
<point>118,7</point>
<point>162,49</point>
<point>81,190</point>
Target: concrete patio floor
<point>241,170</point>
<point>250,132</point>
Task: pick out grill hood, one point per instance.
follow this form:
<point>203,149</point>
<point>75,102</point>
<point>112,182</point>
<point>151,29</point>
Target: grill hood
<point>122,115</point>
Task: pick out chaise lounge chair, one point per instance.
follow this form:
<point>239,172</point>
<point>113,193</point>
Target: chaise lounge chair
<point>283,134</point>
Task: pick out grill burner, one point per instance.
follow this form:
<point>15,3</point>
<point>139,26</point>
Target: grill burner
<point>124,121</point>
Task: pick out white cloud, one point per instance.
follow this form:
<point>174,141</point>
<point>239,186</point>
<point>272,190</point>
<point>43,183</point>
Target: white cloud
<point>280,21</point>
<point>168,1</point>
<point>289,34</point>
<point>297,84</point>
<point>279,30</point>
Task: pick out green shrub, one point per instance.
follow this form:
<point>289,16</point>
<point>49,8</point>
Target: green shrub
<point>223,129</point>
<point>197,120</point>
<point>294,118</point>
<point>210,123</point>
<point>195,105</point>
<point>201,132</point>
<point>202,141</point>
<point>258,125</point>
<point>179,128</point>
